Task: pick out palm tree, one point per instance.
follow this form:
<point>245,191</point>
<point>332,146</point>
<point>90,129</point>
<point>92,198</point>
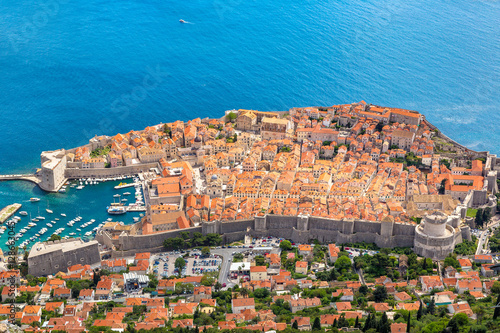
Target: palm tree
<point>244,292</point>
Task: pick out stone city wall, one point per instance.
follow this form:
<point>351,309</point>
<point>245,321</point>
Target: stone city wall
<point>72,173</point>
<point>142,243</point>
<point>296,228</point>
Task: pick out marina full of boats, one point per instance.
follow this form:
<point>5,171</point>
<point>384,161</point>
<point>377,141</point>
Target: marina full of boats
<point>40,222</point>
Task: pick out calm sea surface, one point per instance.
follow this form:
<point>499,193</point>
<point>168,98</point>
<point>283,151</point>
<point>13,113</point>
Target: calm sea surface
<point>71,69</point>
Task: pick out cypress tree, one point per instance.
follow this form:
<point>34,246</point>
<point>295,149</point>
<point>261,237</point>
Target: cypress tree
<point>316,324</point>
<point>408,325</point>
<point>356,324</point>
<point>373,322</point>
<point>343,322</point>
<point>420,311</point>
<point>431,307</point>
<point>383,325</point>
<point>367,325</point>
<point>295,326</point>
<point>335,324</point>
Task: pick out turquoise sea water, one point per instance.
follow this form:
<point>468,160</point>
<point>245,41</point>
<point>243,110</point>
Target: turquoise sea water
<point>73,69</point>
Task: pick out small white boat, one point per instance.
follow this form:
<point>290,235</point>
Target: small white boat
<point>126,193</point>
<point>34,199</point>
<point>80,187</point>
<point>23,213</point>
<point>63,190</point>
<point>78,229</point>
<point>49,211</point>
<point>63,214</point>
<point>50,225</point>
<point>116,196</point>
<point>40,217</point>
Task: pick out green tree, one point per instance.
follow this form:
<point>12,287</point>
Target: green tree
<point>343,263</point>
<point>54,237</point>
<point>363,289</point>
<point>180,263</point>
<point>451,260</point>
<point>380,294</point>
<point>431,307</point>
<point>420,311</point>
<point>286,245</point>
<point>408,324</point>
<point>479,217</point>
<point>295,326</point>
<point>260,261</point>
<point>486,215</point>
<point>383,325</point>
<point>231,116</point>
<point>495,288</point>
<point>453,326</point>
<point>205,251</point>
<point>316,324</point>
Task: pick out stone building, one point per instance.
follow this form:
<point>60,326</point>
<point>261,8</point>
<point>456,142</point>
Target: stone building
<point>49,258</point>
<point>274,128</point>
<point>53,168</point>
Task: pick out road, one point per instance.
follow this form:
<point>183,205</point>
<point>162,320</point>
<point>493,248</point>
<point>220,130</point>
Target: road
<point>484,235</point>
<point>227,256</point>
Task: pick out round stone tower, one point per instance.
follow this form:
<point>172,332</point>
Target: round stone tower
<point>435,225</point>
<point>435,236</point>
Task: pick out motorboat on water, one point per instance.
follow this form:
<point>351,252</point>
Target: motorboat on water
<point>34,199</point>
<point>116,209</point>
<point>182,21</point>
<point>49,211</point>
<point>23,213</point>
<point>62,214</point>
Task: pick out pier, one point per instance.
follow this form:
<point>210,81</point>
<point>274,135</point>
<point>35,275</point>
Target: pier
<point>27,177</point>
<point>8,211</point>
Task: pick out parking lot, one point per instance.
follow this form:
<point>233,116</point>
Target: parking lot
<point>164,264</point>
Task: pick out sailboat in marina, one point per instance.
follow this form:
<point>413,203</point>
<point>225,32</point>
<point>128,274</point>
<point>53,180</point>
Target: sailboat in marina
<point>48,210</point>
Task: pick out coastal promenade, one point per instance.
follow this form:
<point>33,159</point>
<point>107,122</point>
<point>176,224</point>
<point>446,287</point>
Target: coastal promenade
<point>27,177</point>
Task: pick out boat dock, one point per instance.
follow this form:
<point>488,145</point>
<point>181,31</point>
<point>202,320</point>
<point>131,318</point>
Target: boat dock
<point>117,187</point>
<point>8,211</point>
